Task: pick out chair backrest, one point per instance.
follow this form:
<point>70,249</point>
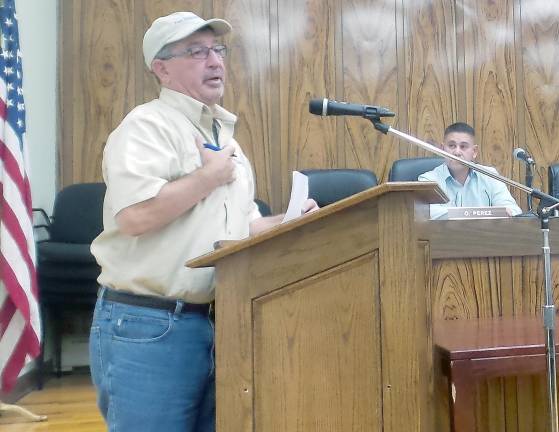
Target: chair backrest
<point>263,207</point>
<point>78,213</point>
<point>411,169</point>
<point>327,186</point>
<point>553,180</point>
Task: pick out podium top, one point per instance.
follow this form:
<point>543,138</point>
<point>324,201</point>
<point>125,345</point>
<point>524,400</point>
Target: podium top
<point>428,192</point>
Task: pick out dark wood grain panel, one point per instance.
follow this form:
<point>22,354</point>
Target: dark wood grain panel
<point>540,62</point>
<point>248,91</point>
<point>490,79</point>
<point>103,86</point>
<point>306,69</point>
<point>431,70</point>
<point>369,61</point>
<point>65,79</point>
<point>489,287</point>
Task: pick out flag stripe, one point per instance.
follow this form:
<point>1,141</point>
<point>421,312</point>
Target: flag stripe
<point>20,326</point>
<point>6,314</point>
<point>13,344</point>
<point>21,243</point>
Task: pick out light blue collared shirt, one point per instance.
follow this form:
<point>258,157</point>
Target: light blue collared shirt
<point>479,190</point>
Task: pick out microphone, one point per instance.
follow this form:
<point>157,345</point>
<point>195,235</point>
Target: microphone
<point>326,107</point>
<point>522,155</point>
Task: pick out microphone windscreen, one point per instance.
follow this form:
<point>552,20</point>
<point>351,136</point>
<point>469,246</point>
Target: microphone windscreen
<point>519,153</point>
<point>315,106</point>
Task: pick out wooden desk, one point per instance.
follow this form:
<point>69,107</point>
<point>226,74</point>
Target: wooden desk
<point>485,348</point>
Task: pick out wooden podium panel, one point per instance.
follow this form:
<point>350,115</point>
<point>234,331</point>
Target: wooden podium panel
<point>323,323</point>
<point>320,337</point>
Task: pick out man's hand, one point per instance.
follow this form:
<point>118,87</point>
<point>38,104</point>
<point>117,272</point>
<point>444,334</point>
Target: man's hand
<point>217,165</point>
<point>180,195</point>
<point>309,206</point>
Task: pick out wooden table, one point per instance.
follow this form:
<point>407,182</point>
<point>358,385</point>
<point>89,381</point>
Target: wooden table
<point>484,348</point>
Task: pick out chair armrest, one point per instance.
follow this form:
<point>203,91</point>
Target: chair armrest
<point>45,225</point>
<point>45,216</point>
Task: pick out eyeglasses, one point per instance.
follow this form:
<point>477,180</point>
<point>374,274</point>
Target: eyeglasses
<point>199,52</point>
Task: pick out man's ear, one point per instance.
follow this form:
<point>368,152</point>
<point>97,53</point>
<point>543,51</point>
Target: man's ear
<point>475,151</point>
<point>159,68</point>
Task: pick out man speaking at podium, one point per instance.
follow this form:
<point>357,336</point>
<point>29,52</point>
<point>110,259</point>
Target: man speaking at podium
<point>177,182</point>
<point>465,187</point>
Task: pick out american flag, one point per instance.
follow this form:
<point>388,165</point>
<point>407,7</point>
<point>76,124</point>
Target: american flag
<point>19,310</point>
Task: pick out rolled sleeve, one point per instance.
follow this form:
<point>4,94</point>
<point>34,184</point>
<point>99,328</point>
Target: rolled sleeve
<point>139,160</point>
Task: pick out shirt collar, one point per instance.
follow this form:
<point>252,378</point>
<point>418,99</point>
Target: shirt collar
<point>448,176</point>
<point>194,109</point>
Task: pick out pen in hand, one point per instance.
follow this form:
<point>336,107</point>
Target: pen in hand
<point>212,147</point>
<point>216,148</point>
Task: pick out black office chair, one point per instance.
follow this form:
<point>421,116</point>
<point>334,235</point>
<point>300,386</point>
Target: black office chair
<point>67,271</point>
<point>553,180</point>
<point>411,169</point>
<point>327,186</point>
<point>552,185</point>
<point>263,207</point>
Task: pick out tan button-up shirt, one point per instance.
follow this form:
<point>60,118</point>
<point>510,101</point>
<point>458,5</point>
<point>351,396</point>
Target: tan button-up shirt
<point>154,145</point>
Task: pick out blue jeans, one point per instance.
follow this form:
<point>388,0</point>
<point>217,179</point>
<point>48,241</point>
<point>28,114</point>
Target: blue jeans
<point>153,369</point>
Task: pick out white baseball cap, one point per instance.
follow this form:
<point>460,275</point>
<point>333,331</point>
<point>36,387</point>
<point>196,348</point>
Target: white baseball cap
<point>174,27</point>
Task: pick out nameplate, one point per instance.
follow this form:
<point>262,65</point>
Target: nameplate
<point>477,212</point>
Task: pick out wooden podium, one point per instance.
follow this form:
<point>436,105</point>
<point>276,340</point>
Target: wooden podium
<point>323,323</point>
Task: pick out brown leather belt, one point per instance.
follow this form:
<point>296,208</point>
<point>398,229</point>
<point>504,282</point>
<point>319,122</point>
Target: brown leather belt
<point>154,302</point>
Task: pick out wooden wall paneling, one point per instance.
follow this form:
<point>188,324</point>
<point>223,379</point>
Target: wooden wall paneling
<point>532,400</point>
<point>402,36</point>
<point>528,295</point>
<point>139,67</point>
<point>466,288</point>
<point>341,160</point>
<point>491,80</point>
<point>516,404</point>
<point>152,9</point>
<point>519,169</point>
<point>65,149</point>
<point>370,63</point>
<point>307,66</point>
<point>431,71</point>
<point>509,280</point>
<point>103,85</point>
<point>490,406</point>
<point>248,91</point>
<point>505,286</point>
<point>461,108</point>
<point>540,62</point>
<point>275,125</point>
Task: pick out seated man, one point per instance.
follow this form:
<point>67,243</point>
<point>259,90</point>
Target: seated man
<point>463,186</point>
